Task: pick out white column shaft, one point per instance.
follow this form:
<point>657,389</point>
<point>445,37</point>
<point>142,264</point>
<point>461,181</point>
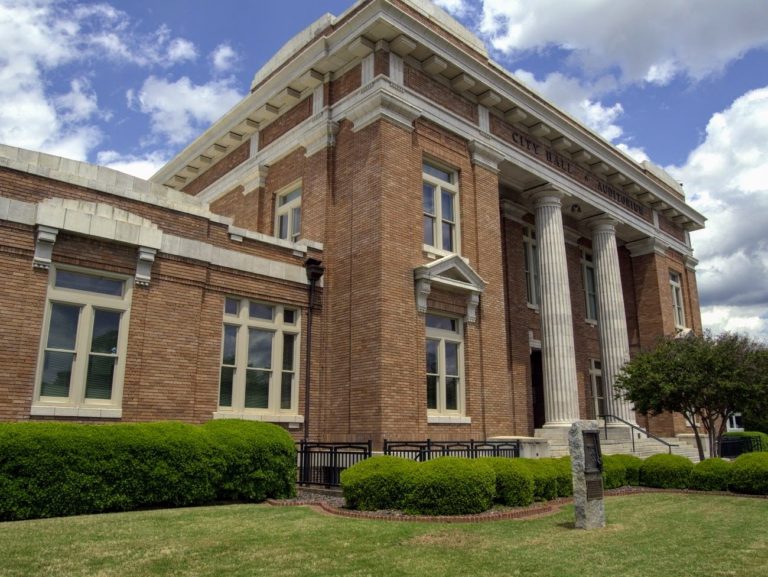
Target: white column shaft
<point>561,400</point>
<point>614,337</point>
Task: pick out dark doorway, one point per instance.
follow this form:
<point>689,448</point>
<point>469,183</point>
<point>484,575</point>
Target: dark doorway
<point>537,385</point>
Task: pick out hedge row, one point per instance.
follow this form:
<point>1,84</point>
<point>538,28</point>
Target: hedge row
<point>56,469</point>
<point>455,486</point>
<point>452,485</point>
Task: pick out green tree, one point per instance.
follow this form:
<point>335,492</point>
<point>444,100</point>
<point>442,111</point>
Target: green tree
<point>705,378</point>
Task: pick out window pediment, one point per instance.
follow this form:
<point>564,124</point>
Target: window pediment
<point>451,273</point>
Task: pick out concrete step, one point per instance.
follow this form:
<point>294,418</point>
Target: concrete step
<point>643,448</point>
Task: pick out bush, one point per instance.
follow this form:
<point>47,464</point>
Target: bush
<point>258,460</point>
<point>711,475</point>
<point>564,475</point>
<point>621,470</point>
<point>545,478</point>
<point>514,481</point>
<point>756,440</point>
<point>55,469</point>
<point>749,474</point>
<point>377,483</point>
<point>450,486</point>
<point>666,472</point>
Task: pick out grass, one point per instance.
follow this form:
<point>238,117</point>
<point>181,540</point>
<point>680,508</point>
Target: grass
<point>664,535</point>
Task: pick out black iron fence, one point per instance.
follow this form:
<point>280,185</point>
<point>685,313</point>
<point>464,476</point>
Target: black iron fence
<point>731,447</point>
<point>425,450</point>
<point>322,463</point>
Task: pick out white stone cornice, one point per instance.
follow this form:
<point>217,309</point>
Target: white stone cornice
<point>690,263</point>
<point>320,137</point>
<point>648,245</point>
<point>255,179</point>
<point>382,104</point>
<point>513,211</point>
<point>485,155</point>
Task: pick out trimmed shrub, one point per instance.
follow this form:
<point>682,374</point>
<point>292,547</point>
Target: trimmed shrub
<point>757,440</point>
<point>514,481</point>
<point>545,478</point>
<point>666,472</point>
<point>56,469</point>
<point>258,460</point>
<point>564,474</point>
<point>377,483</point>
<point>749,474</point>
<point>632,465</point>
<point>711,475</point>
<point>621,470</point>
<point>614,473</point>
<point>450,486</point>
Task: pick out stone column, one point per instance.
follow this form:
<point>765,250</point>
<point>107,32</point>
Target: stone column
<point>561,400</point>
<point>611,316</point>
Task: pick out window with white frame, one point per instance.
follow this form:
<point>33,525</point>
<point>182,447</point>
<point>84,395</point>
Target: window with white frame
<point>598,390</point>
<point>440,194</point>
<point>531,266</point>
<point>445,365</point>
<point>259,359</point>
<point>678,312</point>
<point>83,345</point>
<point>590,285</point>
<point>288,214</point>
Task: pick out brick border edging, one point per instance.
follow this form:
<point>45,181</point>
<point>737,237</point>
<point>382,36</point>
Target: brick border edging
<point>536,510</point>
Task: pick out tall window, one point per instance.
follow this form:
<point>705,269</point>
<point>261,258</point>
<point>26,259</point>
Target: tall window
<point>82,357</point>
<point>445,365</point>
<point>259,360</point>
<point>590,290</point>
<point>531,265</point>
<point>677,300</point>
<point>598,391</point>
<point>288,215</point>
<point>440,193</point>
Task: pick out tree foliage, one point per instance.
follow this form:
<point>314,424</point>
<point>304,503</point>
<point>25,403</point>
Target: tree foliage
<point>706,378</point>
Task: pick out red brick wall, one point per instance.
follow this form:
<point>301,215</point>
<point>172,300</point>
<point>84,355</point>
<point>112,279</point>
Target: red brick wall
<point>344,84</point>
<point>285,122</point>
<point>242,208</point>
<point>439,93</point>
<point>222,167</point>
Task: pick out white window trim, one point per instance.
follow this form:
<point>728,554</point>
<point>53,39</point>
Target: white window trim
<point>76,405</point>
<point>287,210</point>
<point>678,308</point>
<point>532,270</point>
<point>441,414</point>
<point>453,188</point>
<point>596,371</point>
<point>243,322</point>
<point>588,264</point>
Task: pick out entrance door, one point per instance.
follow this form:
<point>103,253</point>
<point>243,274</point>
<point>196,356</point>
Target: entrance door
<point>537,384</point>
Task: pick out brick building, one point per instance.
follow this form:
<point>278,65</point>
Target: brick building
<point>489,262</point>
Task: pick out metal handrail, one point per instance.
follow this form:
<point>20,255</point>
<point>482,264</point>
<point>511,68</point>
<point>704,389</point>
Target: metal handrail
<point>639,429</point>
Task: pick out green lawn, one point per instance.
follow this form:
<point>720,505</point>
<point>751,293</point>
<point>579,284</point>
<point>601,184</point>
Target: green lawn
<point>664,535</point>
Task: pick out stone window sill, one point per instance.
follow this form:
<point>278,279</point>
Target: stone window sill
<point>259,417</point>
<point>448,420</point>
<point>82,412</point>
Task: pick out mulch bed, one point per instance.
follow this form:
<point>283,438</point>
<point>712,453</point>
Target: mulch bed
<point>334,505</point>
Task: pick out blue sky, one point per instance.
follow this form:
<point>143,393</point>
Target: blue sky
<point>681,82</point>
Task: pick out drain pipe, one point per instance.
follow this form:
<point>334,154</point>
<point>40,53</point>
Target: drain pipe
<point>315,270</point>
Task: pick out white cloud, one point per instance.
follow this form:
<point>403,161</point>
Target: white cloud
<point>223,58</point>
<point>179,110</point>
<point>726,179</point>
<point>651,41</point>
<point>39,37</point>
<point>141,166</point>
<point>576,97</point>
<point>455,7</point>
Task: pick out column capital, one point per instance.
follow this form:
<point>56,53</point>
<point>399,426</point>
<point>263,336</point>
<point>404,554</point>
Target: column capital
<point>545,195</point>
<point>602,224</point>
